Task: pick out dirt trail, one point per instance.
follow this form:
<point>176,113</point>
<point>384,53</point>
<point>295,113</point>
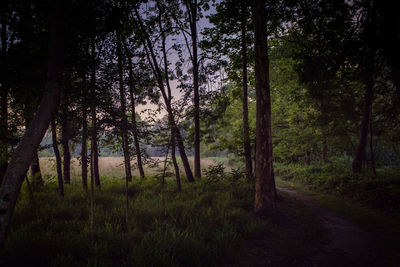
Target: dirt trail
<point>345,243</point>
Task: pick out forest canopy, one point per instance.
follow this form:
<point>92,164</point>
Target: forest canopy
<point>303,90</point>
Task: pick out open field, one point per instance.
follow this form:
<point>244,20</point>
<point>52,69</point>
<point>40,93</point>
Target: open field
<point>113,166</point>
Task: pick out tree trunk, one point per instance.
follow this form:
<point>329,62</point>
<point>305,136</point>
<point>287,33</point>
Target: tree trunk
<point>35,171</point>
<point>94,153</point>
<point>58,158</point>
<point>196,100</point>
<point>34,166</point>
<point>65,146</point>
<point>359,156</point>
<point>371,147</point>
<point>124,122</point>
<point>176,167</point>
<point>3,109</point>
<point>265,191</point>
<point>245,112</point>
<point>84,136</point>
<point>158,74</point>
<point>136,136</point>
<point>324,150</point>
<point>33,135</point>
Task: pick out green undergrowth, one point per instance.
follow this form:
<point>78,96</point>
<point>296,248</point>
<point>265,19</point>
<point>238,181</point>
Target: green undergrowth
<point>380,191</point>
<point>209,223</point>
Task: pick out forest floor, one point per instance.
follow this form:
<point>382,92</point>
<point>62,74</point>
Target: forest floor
<point>209,223</point>
<point>344,243</point>
<point>351,235</point>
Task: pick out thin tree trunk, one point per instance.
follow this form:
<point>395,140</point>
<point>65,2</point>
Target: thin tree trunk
<point>245,112</point>
<point>94,153</point>
<point>371,147</point>
<point>265,191</point>
<point>35,171</point>
<point>170,118</point>
<point>136,136</point>
<point>176,166</point>
<point>65,146</point>
<point>84,135</point>
<point>192,11</point>
<point>92,181</point>
<point>158,74</point>
<point>58,158</point>
<point>324,149</point>
<point>123,128</point>
<point>135,131</point>
<point>33,135</point>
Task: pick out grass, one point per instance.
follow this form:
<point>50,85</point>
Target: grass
<point>210,223</point>
<point>380,191</point>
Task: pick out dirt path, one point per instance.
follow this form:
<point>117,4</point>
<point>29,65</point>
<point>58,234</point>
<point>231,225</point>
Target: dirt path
<point>345,243</point>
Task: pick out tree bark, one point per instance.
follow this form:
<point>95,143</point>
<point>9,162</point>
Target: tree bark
<point>176,167</point>
<point>3,109</point>
<point>65,147</point>
<point>158,74</point>
<point>265,191</point>
<point>135,131</point>
<point>170,118</point>
<point>192,11</point>
<point>58,158</point>
<point>136,136</point>
<point>324,150</point>
<point>84,135</point>
<point>359,155</point>
<point>33,135</point>
<point>245,112</point>
<point>124,122</point>
<point>94,153</point>
<point>35,170</point>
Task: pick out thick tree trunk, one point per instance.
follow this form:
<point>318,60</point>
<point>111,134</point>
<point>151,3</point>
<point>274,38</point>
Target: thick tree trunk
<point>58,158</point>
<point>33,135</point>
<point>3,109</point>
<point>265,191</point>
<point>124,122</point>
<point>94,153</point>
<point>34,166</point>
<point>245,112</point>
<point>66,153</point>
<point>158,74</point>
<point>84,136</point>
<point>359,155</point>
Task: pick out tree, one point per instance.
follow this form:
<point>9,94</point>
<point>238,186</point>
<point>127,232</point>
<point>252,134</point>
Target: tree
<point>265,191</point>
<point>29,143</point>
<point>58,158</point>
<point>149,49</point>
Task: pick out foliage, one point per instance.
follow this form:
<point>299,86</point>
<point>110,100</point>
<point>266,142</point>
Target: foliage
<point>205,224</point>
<point>380,191</point>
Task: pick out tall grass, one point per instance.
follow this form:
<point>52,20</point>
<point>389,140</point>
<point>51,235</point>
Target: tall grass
<point>207,224</point>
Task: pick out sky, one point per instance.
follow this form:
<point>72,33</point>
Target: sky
<point>173,58</point>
